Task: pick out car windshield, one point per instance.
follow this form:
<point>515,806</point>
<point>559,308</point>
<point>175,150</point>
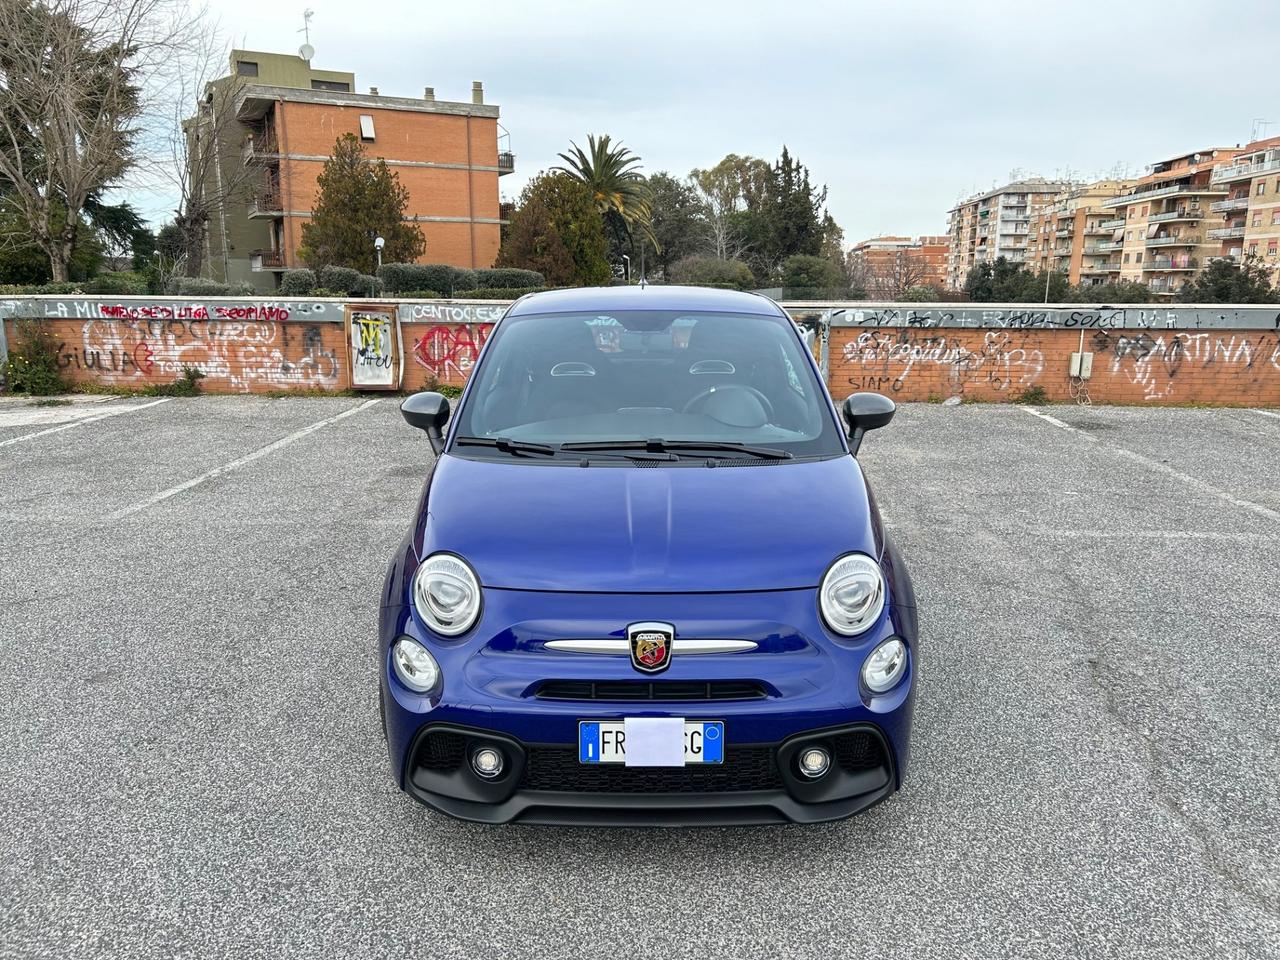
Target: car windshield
<point>663,383</point>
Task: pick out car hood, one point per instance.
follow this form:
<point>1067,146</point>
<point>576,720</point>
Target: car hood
<point>639,529</point>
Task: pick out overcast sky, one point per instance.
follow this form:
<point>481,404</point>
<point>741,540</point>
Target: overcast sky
<point>899,107</point>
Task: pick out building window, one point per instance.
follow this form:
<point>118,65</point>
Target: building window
<point>1128,235</point>
<point>1275,216</point>
<point>1137,257</point>
<point>246,68</point>
<point>366,126</point>
<point>1253,249</point>
<point>1262,187</point>
<point>335,86</point>
<point>1271,248</point>
<point>1257,220</point>
<point>1144,211</point>
<point>1126,258</point>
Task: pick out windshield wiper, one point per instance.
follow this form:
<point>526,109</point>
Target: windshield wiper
<point>658,445</point>
<point>517,448</point>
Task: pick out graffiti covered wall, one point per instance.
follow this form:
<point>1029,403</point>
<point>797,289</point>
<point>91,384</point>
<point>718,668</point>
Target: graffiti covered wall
<point>1141,354</point>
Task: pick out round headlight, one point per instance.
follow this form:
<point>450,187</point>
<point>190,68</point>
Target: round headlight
<point>415,666</point>
<point>852,594</point>
<point>446,594</point>
<point>883,669</point>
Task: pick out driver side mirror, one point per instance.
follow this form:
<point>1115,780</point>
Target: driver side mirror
<point>428,412</point>
<point>866,411</point>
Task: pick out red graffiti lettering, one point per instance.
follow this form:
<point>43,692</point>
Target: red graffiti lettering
<point>142,355</point>
<point>450,350</point>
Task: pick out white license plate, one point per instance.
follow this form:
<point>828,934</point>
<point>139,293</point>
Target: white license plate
<point>651,741</point>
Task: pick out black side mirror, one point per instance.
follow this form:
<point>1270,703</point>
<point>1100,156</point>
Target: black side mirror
<point>428,412</point>
<point>866,411</point>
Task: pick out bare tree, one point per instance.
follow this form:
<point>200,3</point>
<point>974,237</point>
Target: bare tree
<point>888,278</point>
<point>70,75</point>
<point>210,158</point>
<point>727,189</point>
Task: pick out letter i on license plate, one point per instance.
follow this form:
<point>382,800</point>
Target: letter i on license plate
<point>651,741</point>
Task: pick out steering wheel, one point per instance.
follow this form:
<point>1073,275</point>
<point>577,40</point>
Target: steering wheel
<point>764,401</point>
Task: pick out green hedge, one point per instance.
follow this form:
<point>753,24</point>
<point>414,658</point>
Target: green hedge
<point>509,278</point>
<point>203,287</point>
<point>399,277</point>
<point>496,293</point>
<point>351,282</point>
<point>297,283</point>
<point>420,295</point>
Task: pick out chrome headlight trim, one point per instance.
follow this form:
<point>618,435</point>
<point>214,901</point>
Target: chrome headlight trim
<point>446,594</point>
<point>851,595</point>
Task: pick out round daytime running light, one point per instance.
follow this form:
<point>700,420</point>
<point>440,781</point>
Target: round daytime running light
<point>884,667</point>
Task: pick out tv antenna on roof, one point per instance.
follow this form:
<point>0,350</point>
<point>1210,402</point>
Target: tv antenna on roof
<point>307,51</point>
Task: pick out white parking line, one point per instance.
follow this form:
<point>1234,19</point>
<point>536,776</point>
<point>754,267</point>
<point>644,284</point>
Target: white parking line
<point>238,463</point>
<point>1164,468</point>
<point>81,422</point>
<point>1267,413</point>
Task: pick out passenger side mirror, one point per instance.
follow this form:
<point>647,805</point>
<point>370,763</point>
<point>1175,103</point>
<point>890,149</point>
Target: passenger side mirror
<point>428,412</point>
<point>866,411</point>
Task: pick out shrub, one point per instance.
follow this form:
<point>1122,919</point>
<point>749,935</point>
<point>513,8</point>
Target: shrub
<point>509,278</point>
<point>399,277</point>
<point>806,271</point>
<point>496,293</point>
<point>814,293</point>
<point>420,295</point>
<point>121,284</point>
<point>1032,396</point>
<point>297,283</point>
<point>204,287</point>
<point>708,271</point>
<point>340,278</point>
<point>188,386</point>
<point>32,366</point>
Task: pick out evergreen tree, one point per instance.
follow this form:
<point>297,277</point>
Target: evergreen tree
<point>558,231</point>
<point>358,200</point>
<point>1230,281</point>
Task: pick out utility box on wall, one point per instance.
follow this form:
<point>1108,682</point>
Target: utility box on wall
<point>1081,366</point>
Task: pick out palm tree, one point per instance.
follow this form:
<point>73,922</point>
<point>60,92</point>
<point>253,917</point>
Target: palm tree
<point>612,174</point>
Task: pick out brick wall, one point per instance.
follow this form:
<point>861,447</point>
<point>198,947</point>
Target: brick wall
<point>910,355</point>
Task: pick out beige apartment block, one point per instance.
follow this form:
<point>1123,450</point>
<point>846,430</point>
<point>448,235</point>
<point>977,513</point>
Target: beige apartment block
<point>1247,219</point>
<point>1072,234</point>
<point>1165,236</point>
<point>995,224</point>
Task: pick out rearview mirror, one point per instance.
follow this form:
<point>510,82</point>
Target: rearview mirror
<point>428,412</point>
<point>866,411</point>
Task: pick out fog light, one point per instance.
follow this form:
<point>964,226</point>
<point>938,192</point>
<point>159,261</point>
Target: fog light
<point>814,762</point>
<point>487,762</point>
<point>415,667</point>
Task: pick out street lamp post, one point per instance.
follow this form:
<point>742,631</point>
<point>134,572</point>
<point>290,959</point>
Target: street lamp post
<point>626,266</point>
<point>378,244</point>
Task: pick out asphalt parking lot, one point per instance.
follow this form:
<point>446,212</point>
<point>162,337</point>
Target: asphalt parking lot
<point>191,763</point>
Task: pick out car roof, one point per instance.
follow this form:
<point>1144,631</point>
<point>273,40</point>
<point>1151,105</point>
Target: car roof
<point>646,297</point>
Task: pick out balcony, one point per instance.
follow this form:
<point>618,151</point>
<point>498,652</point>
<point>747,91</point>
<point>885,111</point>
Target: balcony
<point>1178,188</point>
<point>506,163</point>
<point>1171,263</point>
<point>1227,233</point>
<point>1174,215</point>
<point>1226,206</point>
<point>1064,232</point>
<point>1106,247</point>
<point>1062,252</point>
<point>1244,171</point>
<point>1115,224</point>
<point>261,148</point>
<point>1189,241</point>
<point>265,204</point>
<point>269,260</point>
<point>1099,268</point>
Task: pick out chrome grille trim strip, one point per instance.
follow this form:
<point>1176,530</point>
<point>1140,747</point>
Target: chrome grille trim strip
<point>618,646</point>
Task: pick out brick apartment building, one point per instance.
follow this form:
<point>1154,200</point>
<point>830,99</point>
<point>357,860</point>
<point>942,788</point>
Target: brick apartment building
<point>1165,236</point>
<point>995,224</point>
<point>1250,212</point>
<point>892,264</point>
<point>287,117</point>
<point>1073,234</point>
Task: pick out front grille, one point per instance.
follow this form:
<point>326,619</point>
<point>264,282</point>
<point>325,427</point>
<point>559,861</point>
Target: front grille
<point>664,690</point>
<point>557,768</point>
<point>858,751</point>
<point>441,750</point>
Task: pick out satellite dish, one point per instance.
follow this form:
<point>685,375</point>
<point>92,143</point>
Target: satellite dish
<point>306,52</point>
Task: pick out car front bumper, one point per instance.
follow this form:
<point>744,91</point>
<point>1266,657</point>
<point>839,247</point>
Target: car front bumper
<point>545,784</point>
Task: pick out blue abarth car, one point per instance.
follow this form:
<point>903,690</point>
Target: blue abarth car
<point>647,582</point>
